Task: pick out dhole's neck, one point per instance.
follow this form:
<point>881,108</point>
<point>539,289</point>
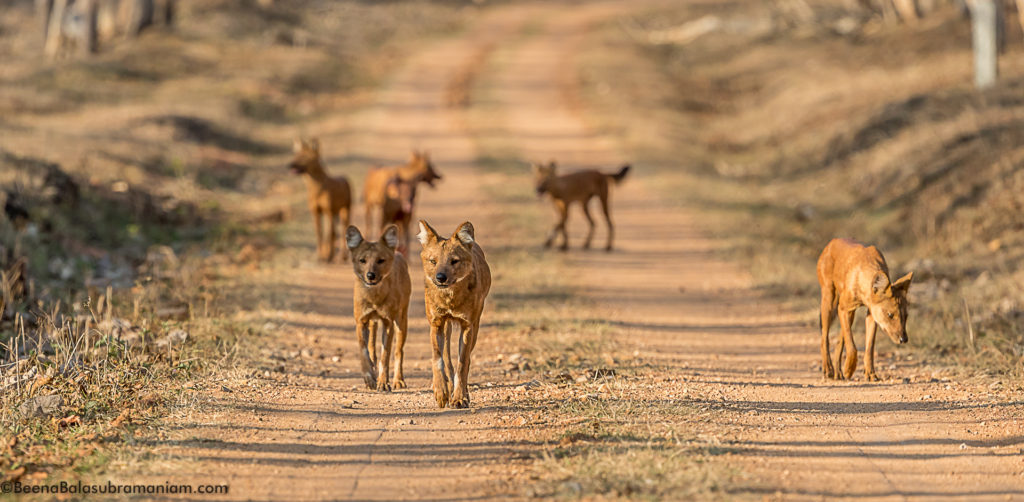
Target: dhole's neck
<point>315,173</point>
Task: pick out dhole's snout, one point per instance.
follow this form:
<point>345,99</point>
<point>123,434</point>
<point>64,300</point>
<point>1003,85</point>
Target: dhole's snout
<point>441,279</point>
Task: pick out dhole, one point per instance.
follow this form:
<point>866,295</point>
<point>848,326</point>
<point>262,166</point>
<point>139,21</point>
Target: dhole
<point>398,206</point>
<point>380,298</point>
<point>375,188</point>
<point>852,275</point>
<point>328,197</point>
<point>456,280</point>
<point>579,187</point>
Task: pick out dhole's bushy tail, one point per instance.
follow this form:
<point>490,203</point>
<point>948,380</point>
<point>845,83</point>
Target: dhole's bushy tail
<point>617,177</point>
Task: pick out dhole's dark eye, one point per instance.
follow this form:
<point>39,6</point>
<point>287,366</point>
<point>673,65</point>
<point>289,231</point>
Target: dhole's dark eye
<point>891,315</point>
<point>455,261</point>
<point>362,260</point>
<point>433,261</point>
<point>380,260</point>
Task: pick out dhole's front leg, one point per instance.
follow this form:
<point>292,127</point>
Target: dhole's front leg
<point>460,398</point>
<point>869,348</point>
<point>363,331</point>
<point>403,326</point>
<point>387,336</point>
<point>450,371</point>
<point>319,224</point>
<point>846,330</point>
<point>439,383</point>
<point>563,215</point>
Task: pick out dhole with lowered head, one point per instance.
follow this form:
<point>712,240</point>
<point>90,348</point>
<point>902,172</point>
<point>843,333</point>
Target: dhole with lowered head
<point>380,299</point>
<point>329,197</point>
<point>580,186</point>
<point>375,187</point>
<point>456,282</point>
<point>852,275</point>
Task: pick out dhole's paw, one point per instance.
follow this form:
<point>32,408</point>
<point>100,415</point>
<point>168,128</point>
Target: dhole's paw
<point>608,249</point>
<point>872,377</point>
<point>398,383</point>
<point>563,248</point>
<point>370,380</point>
<point>383,385</point>
<point>460,400</point>
<point>828,371</point>
<point>441,397</point>
<point>547,244</point>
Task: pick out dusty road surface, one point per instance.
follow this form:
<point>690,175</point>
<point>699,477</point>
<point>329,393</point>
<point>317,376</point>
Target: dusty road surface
<point>309,430</point>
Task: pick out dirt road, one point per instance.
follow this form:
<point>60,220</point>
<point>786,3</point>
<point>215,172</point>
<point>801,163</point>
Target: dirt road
<point>312,432</point>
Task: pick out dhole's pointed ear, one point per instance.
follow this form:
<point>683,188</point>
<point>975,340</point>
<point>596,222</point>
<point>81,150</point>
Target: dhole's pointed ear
<point>902,285</point>
<point>390,236</point>
<point>352,237</point>
<point>427,233</point>
<point>552,165</point>
<point>297,145</point>
<point>880,285</point>
<point>465,234</point>
<point>314,144</point>
<point>414,155</point>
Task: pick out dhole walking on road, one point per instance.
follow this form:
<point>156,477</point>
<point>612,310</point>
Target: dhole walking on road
<point>375,188</point>
<point>380,299</point>
<point>456,282</point>
<point>398,207</point>
<point>579,187</point>
<point>329,197</point>
<point>851,276</point>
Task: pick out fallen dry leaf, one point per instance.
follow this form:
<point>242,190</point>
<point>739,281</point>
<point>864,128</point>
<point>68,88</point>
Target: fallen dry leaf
<point>68,422</point>
<point>121,418</point>
<point>14,475</point>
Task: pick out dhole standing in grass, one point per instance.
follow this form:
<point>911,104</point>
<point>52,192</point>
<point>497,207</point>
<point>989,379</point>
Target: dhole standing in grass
<point>580,186</point>
<point>329,197</point>
<point>375,187</point>
<point>456,282</point>
<point>380,299</point>
<point>851,276</point>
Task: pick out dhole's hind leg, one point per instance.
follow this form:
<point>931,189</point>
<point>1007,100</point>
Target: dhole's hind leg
<point>343,215</point>
<point>332,236</point>
<point>607,219</point>
<point>846,329</point>
<point>590,221</point>
<point>369,217</point>
<point>828,305</point>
